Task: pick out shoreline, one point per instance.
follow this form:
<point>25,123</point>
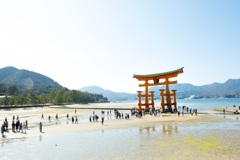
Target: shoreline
<point>64,126</point>
<point>63,106</point>
<point>33,115</point>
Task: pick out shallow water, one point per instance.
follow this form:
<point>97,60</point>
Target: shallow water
<point>178,140</point>
<point>205,104</point>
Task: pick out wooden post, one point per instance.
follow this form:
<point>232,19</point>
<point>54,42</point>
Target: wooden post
<point>146,95</point>
<point>175,99</point>
<point>139,100</point>
<point>152,98</point>
<point>162,98</point>
<point>168,97</point>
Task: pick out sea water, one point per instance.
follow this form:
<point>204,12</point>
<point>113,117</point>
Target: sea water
<point>207,103</point>
<point>203,104</point>
<point>210,103</point>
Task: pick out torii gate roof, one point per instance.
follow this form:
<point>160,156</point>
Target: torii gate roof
<point>173,73</point>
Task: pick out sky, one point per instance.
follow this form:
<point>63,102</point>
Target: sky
<point>81,43</point>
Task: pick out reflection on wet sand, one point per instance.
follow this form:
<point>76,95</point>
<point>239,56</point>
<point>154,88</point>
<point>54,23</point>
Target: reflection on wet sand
<point>147,129</point>
<point>12,140</point>
<point>40,138</point>
<point>166,128</point>
<point>169,128</point>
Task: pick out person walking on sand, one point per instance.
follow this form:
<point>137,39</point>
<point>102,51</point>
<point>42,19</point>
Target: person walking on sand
<point>40,126</point>
<point>26,124</point>
<point>90,119</point>
<point>76,120</point>
<point>2,130</point>
<point>102,120</point>
<point>195,112</point>
<point>42,116</point>
<point>21,127</point>
<point>72,119</point>
<point>13,126</point>
<point>67,116</point>
<point>6,124</point>
<point>24,128</point>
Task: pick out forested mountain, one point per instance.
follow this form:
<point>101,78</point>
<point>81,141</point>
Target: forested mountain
<point>25,80</point>
<point>23,87</point>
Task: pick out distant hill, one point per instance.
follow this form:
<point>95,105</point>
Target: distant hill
<point>230,88</point>
<point>112,96</point>
<point>25,80</point>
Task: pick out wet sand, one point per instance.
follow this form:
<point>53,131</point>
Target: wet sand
<point>168,136</point>
<point>64,125</point>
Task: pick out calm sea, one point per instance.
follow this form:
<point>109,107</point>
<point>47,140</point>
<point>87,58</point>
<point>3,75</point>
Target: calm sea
<point>210,103</point>
<point>206,104</point>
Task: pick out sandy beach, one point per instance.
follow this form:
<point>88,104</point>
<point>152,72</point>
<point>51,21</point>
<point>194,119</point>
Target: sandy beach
<point>64,125</point>
<point>166,123</point>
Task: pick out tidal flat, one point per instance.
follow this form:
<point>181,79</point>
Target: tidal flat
<point>167,136</point>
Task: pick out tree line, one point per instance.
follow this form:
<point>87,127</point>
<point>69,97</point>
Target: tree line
<point>10,96</point>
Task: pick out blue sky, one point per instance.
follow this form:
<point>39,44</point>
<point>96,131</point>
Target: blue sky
<point>84,43</point>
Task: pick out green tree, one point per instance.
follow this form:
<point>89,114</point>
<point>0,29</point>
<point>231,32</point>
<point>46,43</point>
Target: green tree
<point>59,97</point>
<point>12,90</point>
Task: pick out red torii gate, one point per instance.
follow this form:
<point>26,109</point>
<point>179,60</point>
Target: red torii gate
<point>157,80</point>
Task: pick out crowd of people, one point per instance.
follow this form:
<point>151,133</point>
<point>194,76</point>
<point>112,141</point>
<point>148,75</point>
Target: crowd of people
<point>94,117</point>
<point>185,109</point>
<point>157,111</point>
<point>151,111</point>
<point>17,126</point>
